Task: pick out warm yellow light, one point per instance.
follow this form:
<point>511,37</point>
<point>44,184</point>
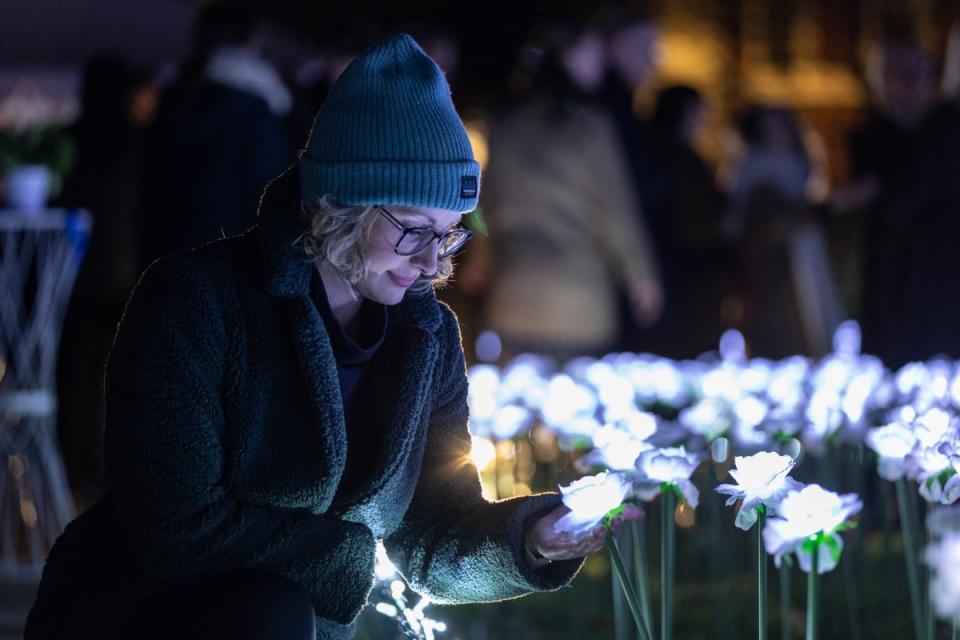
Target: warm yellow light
<point>482,452</point>
<point>596,566</point>
<point>476,132</point>
<point>28,512</point>
<point>17,465</point>
<point>506,450</point>
<point>684,515</point>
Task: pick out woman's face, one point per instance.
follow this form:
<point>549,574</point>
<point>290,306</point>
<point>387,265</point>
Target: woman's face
<point>390,275</point>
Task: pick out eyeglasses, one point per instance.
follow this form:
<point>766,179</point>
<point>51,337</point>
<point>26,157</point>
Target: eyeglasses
<point>413,240</point>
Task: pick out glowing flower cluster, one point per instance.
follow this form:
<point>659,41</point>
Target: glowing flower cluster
<point>625,406</point>
<point>924,447</point>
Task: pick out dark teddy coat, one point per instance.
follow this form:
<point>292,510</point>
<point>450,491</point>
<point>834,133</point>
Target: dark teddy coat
<point>226,441</point>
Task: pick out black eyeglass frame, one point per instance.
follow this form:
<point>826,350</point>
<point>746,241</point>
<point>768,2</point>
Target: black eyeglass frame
<point>460,230</point>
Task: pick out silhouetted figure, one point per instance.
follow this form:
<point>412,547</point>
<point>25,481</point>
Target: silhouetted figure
<point>689,207</point>
<point>792,305</point>
<point>882,151</point>
<point>632,45</point>
<point>931,202</point>
<point>218,138</point>
<point>106,182</point>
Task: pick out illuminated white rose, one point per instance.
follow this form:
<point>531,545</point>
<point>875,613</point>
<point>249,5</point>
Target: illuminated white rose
<point>893,443</point>
<point>590,499</point>
<point>761,479</point>
<point>944,561</point>
<point>710,417</point>
<point>806,513</point>
<point>615,449</point>
<point>565,401</point>
<point>672,465</point>
<point>932,427</point>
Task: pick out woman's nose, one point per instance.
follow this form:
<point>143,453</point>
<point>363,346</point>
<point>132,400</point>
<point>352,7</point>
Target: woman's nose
<point>426,260</point>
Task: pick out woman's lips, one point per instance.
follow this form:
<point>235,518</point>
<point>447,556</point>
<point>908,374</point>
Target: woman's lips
<point>400,281</point>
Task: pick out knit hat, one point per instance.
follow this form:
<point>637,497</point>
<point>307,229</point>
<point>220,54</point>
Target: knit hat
<point>388,134</point>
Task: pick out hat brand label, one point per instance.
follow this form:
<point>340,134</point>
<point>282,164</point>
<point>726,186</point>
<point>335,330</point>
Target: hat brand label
<point>468,187</point>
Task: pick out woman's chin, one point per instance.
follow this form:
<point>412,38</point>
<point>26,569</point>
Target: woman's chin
<point>388,295</point>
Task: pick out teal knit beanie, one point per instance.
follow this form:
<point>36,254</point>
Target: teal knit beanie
<point>388,134</point>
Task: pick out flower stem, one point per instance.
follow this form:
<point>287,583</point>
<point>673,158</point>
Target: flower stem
<point>956,628</point>
<point>666,564</point>
<point>910,553</point>
<point>628,590</point>
<point>784,601</point>
<point>639,540</point>
<point>621,625</point>
<point>812,588</point>
<point>761,577</point>
<point>930,623</point>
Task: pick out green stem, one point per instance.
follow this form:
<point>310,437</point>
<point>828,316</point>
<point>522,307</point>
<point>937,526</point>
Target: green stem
<point>910,553</point>
<point>761,576</point>
<point>666,564</point>
<point>930,624</point>
<point>640,570</point>
<point>956,629</point>
<point>621,624</point>
<point>812,588</point>
<point>631,595</point>
<point>850,590</point>
<point>784,601</point>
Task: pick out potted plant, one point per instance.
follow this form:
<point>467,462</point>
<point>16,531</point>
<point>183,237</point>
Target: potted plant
<point>36,150</point>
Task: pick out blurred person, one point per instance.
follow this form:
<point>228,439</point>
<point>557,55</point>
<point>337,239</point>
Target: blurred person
<point>315,76</point>
<point>632,46</point>
<point>563,220</point>
<point>280,400</point>
<point>698,265</point>
<point>631,41</point>
<point>791,298</point>
<point>881,151</point>
<point>930,200</point>
<point>105,181</point>
<point>217,139</point>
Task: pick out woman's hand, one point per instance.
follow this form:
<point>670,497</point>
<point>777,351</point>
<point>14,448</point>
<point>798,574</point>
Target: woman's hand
<point>544,542</point>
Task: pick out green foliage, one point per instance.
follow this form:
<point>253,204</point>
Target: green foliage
<point>613,513</point>
<point>51,146</point>
<point>475,222</point>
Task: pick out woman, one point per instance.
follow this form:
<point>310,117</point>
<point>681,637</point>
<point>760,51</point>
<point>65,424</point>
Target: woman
<point>792,304</point>
<point>565,225</point>
<point>278,401</point>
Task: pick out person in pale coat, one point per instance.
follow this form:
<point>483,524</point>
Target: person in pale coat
<point>562,214</point>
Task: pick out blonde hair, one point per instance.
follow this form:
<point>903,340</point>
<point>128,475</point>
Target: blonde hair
<point>338,237</point>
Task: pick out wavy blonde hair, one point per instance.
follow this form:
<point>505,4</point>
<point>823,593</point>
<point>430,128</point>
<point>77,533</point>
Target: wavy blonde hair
<point>338,237</point>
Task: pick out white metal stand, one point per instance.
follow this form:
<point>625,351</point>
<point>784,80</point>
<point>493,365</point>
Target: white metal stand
<point>40,253</point>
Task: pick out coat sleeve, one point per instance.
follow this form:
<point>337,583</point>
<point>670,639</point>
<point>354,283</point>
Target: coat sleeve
<point>165,458</point>
<point>453,545</point>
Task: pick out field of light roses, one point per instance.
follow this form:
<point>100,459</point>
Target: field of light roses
<point>836,476</point>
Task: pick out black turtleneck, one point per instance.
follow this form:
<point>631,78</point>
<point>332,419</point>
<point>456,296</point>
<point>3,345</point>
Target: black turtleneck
<point>353,353</point>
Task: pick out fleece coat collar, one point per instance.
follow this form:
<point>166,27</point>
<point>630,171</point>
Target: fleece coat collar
<point>410,339</point>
